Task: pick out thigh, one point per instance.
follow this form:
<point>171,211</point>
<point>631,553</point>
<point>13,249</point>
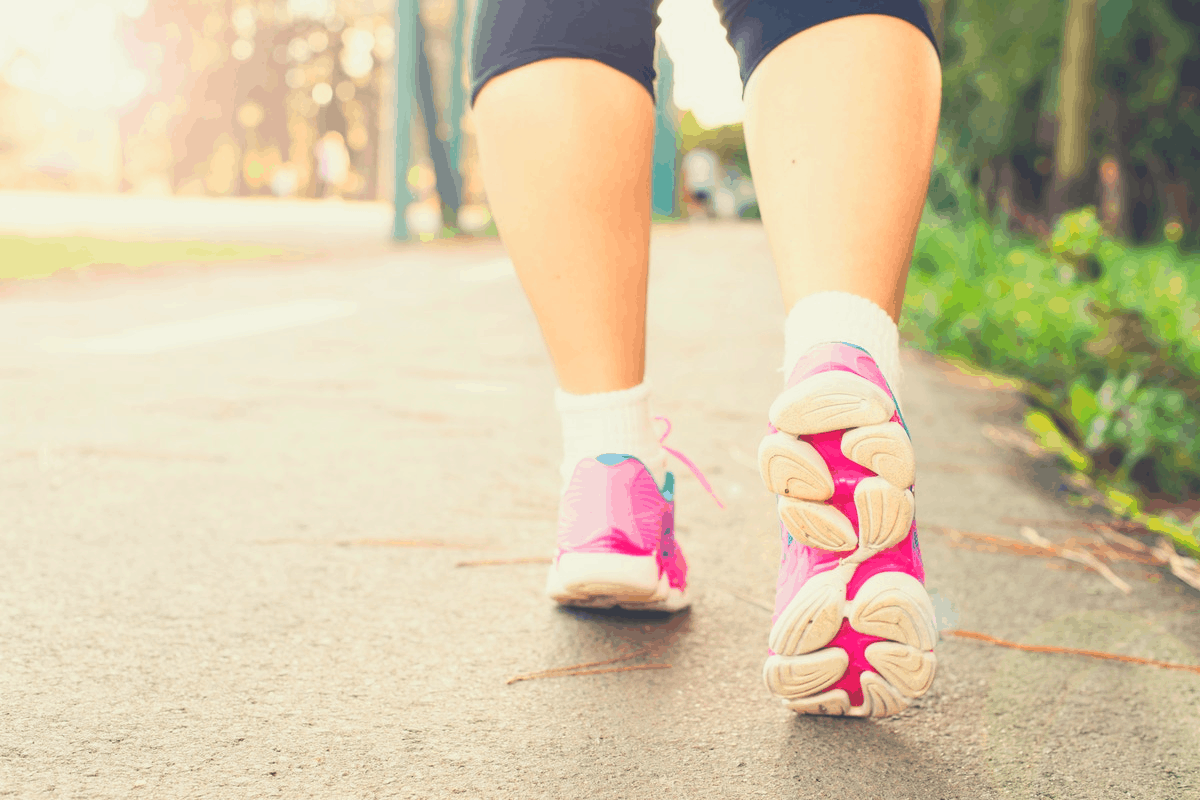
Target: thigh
<point>756,27</point>
<point>507,34</point>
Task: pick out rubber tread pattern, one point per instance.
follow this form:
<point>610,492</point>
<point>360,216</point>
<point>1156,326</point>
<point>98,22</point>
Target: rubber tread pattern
<point>892,606</point>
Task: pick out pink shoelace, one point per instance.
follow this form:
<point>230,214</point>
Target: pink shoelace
<point>687,462</point>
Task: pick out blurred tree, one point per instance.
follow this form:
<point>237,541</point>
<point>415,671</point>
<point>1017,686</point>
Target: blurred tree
<point>1076,87</point>
<point>1018,104</point>
<point>242,91</point>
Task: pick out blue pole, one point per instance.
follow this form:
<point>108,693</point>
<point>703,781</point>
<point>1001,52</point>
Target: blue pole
<point>445,173</point>
<point>457,95</point>
<point>666,146</point>
<point>406,78</point>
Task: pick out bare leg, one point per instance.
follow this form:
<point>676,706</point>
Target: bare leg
<point>840,126</point>
<point>565,147</point>
<point>841,121</point>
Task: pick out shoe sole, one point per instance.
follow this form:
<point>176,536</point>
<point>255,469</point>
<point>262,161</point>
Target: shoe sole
<point>613,580</point>
<point>892,606</point>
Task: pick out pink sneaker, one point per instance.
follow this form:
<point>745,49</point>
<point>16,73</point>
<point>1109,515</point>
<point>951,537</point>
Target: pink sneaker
<point>616,542</point>
<point>853,630</point>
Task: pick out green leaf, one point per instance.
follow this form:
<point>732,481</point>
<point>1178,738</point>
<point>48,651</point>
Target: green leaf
<point>1047,435</point>
<point>1084,407</point>
<point>1112,16</point>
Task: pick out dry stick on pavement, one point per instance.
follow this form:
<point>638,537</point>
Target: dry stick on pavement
<point>1106,551</point>
<point>574,668</point>
<point>1078,556</point>
<point>1038,648</point>
<point>1182,567</point>
<point>1014,545</point>
<point>1185,568</point>
<point>632,668</point>
<point>1132,527</point>
<point>1130,549</point>
<point>616,660</point>
<point>1128,542</point>
<point>493,562</point>
<point>1042,547</point>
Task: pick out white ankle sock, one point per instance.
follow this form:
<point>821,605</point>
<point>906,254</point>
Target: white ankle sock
<point>609,422</point>
<point>843,317</point>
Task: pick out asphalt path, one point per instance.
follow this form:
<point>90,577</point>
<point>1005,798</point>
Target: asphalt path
<point>234,502</point>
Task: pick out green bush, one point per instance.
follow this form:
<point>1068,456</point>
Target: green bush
<point>1106,335</point>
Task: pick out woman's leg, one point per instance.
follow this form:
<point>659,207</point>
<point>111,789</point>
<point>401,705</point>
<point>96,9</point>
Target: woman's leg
<point>840,127</point>
<point>565,146</point>
<point>564,113</point>
<point>841,117</point>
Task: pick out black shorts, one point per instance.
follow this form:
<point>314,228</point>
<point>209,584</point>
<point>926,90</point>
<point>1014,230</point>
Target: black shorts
<point>507,34</point>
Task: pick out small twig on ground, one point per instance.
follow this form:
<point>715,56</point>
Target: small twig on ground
<point>1105,551</point>
<point>1079,556</point>
<point>553,671</point>
<point>1128,542</point>
<point>493,562</point>
<point>632,668</point>
<point>1131,527</point>
<point>1013,545</point>
<point>1090,555</point>
<point>1036,648</point>
<point>1182,567</point>
<point>1040,546</point>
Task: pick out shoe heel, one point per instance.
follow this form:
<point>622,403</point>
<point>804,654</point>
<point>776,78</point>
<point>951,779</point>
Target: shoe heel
<point>830,401</point>
<point>611,575</point>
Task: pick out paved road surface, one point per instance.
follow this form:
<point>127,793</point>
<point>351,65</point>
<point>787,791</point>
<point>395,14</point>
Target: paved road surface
<point>318,225</point>
<point>212,480</point>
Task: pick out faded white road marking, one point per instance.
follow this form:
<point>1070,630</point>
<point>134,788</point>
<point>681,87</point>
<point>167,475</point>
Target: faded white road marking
<point>487,271</point>
<point>148,339</point>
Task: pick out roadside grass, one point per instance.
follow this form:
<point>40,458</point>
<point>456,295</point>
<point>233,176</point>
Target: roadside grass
<point>1101,336</point>
<point>24,258</point>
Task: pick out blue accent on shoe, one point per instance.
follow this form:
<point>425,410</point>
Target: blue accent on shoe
<point>612,459</point>
<point>856,347</point>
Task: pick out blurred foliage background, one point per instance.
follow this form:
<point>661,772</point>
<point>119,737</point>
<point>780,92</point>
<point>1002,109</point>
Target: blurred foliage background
<point>1060,237</point>
<point>286,98</point>
<point>1053,106</point>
